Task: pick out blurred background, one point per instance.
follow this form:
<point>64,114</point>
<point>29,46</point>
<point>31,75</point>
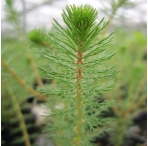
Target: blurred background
<point>23,25</point>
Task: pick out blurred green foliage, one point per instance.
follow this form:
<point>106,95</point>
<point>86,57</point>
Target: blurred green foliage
<point>130,59</point>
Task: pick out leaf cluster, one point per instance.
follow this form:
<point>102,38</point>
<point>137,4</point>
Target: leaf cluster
<point>37,36</point>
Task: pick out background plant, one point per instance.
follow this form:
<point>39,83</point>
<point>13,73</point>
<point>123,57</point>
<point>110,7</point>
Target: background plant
<point>135,97</point>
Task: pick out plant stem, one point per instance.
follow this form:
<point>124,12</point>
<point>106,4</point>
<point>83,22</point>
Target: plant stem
<point>110,19</point>
<point>135,97</point>
<point>143,81</point>
<point>39,80</point>
<point>21,82</point>
<point>78,98</point>
<point>137,105</point>
<point>141,101</point>
<point>114,10</point>
<point>21,119</point>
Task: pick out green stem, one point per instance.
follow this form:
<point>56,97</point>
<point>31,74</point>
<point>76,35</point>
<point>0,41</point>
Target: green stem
<point>114,10</point>
<point>21,119</point>
<point>39,80</point>
<point>105,30</point>
<point>130,109</point>
<point>21,82</point>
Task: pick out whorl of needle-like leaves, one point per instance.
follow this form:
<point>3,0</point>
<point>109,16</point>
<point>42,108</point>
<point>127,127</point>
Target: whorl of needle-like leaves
<point>82,27</point>
<point>80,19</point>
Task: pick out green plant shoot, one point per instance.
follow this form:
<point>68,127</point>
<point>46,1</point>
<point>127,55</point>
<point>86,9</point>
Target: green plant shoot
<point>78,66</point>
